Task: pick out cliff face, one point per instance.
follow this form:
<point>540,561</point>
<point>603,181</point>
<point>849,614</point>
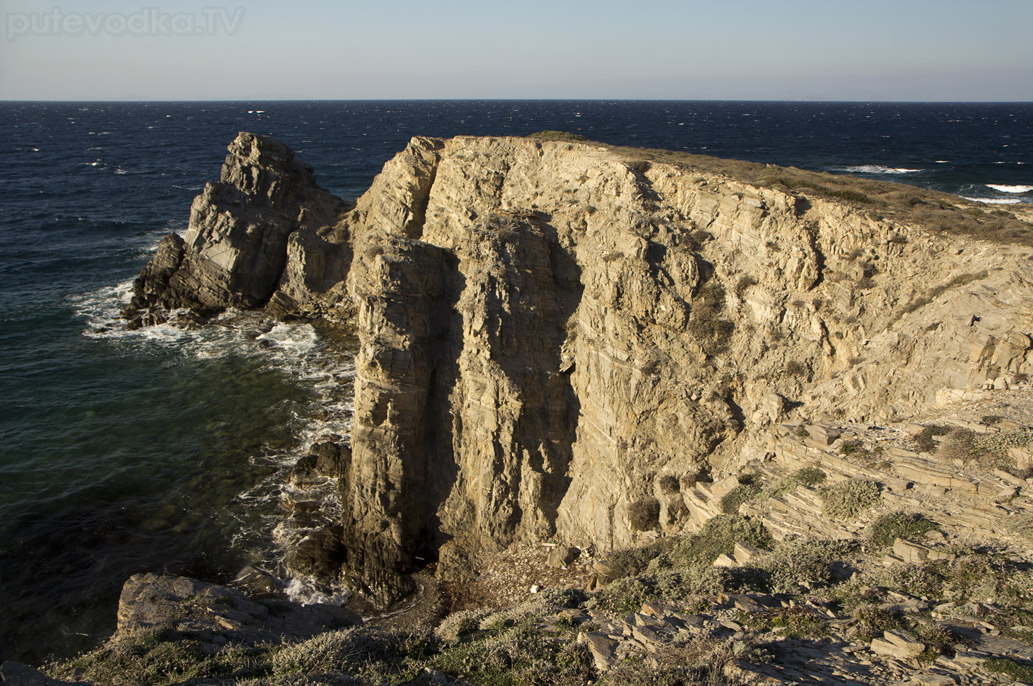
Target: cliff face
<point>556,338</point>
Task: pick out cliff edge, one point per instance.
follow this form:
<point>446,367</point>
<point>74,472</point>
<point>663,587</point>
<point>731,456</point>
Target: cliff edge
<point>560,339</point>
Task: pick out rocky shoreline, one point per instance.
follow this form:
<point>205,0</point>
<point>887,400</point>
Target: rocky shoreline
<point>644,360</point>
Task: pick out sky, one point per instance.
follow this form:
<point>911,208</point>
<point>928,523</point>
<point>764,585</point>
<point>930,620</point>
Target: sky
<point>875,50</point>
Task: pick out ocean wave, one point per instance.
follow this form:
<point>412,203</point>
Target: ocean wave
<point>876,169</point>
<point>1009,189</point>
<point>994,201</point>
<point>294,348</point>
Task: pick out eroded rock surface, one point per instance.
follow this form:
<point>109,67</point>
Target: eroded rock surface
<point>236,246</point>
<point>560,339</point>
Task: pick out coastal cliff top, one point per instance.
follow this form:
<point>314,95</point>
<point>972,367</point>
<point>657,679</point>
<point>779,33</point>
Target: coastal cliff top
<point>932,210</point>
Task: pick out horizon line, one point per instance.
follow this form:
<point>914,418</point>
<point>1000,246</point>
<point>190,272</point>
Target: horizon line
<point>329,100</point>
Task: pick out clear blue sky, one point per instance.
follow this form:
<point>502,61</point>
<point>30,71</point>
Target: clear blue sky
<point>688,50</point>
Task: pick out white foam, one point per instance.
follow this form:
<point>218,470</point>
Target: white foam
<point>1010,189</point>
<point>994,201</point>
<point>307,591</point>
<point>292,347</point>
<point>877,169</point>
<point>291,337</point>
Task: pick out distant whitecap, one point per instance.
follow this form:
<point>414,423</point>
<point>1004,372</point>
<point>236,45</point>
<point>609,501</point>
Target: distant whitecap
<point>877,169</point>
<point>1010,189</point>
<point>994,201</point>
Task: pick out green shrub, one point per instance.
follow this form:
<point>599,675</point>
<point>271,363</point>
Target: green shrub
<point>809,476</point>
<point>805,476</point>
<point>849,499</point>
<point>557,136</point>
<point>669,586</point>
<point>742,493</point>
<point>797,369</point>
<point>851,447</point>
<point>894,525</point>
<point>699,661</point>
<point>872,621</point>
<point>792,622</point>
<point>515,656</point>
<point>988,451</point>
<point>924,440</point>
<point>718,536</point>
<point>744,283</point>
<point>345,650</point>
<point>1010,668</point>
<point>849,195</point>
<point>802,565</point>
<point>706,321</point>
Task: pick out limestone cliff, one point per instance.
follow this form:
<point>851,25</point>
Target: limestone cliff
<point>556,336</point>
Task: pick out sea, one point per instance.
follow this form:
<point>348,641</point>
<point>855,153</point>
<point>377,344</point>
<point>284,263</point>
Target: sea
<point>164,450</point>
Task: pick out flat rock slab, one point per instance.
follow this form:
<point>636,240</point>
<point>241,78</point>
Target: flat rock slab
<point>218,613</point>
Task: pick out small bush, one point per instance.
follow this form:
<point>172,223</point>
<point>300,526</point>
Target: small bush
<point>633,561</point>
<point>872,621</point>
<point>893,525</point>
<point>849,195</point>
<point>809,476</point>
<point>795,566</point>
<point>742,493</point>
<point>925,442</point>
<point>344,650</point>
<point>644,514</point>
<point>670,484</point>
<point>791,622</point>
<point>744,283</point>
<point>706,321</point>
<point>719,535</point>
<point>161,657</point>
<point>959,444</point>
<point>797,369</point>
<point>849,499</point>
<point>681,587</point>
<point>806,476</point>
<point>851,447</point>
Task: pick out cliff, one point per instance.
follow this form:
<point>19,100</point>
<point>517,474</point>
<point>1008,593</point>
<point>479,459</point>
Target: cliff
<point>559,339</point>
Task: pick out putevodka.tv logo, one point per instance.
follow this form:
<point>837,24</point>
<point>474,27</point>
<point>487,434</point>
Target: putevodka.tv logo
<point>149,21</point>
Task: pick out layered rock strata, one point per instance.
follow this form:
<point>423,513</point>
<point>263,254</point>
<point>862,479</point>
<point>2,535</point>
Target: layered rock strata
<point>558,339</point>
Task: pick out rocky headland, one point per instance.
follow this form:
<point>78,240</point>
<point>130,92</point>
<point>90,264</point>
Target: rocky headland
<point>773,426</point>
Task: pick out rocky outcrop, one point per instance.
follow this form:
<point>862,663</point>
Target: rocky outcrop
<point>235,249</point>
<point>215,615</point>
<point>560,339</point>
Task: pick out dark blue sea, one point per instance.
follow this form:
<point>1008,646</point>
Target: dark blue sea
<point>162,450</point>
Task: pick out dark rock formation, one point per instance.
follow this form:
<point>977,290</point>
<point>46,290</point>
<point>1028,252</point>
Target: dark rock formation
<point>235,250</point>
